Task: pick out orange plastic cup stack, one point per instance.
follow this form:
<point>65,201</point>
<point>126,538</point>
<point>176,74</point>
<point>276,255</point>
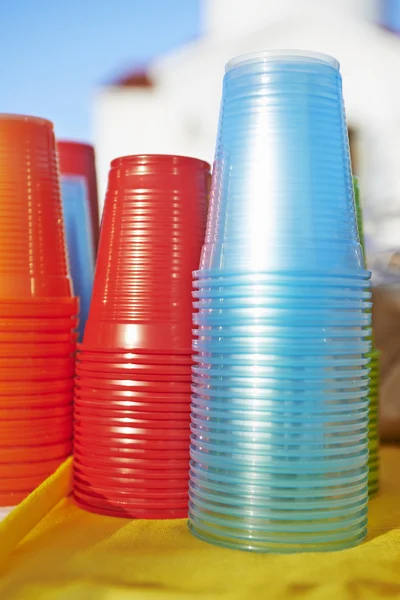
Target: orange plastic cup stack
<point>38,313</point>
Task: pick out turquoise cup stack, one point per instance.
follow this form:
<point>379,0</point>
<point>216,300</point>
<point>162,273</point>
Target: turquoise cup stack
<point>279,414</point>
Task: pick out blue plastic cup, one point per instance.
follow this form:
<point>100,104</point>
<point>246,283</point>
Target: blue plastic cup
<point>282,193</point>
<point>79,238</point>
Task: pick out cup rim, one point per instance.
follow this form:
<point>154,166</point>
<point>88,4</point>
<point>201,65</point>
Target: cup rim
<point>282,55</point>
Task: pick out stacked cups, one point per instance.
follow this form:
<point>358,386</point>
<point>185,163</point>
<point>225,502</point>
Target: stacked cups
<point>373,460</point>
<point>37,311</point>
<point>132,400</point>
<point>279,415</point>
<point>79,195</point>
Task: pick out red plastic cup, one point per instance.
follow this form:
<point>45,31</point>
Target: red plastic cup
<point>105,411</point>
<point>124,375</point>
<point>143,355</point>
<point>135,501</point>
<point>152,231</point>
<point>33,259</point>
<point>152,494</point>
<point>78,160</point>
<point>132,398</point>
<point>149,411</point>
<point>105,462</point>
<point>108,509</point>
<point>136,358</point>
<point>133,369</point>
<point>129,444</point>
<point>115,455</point>
<point>116,475</point>
<point>132,422</point>
<point>134,486</point>
<point>133,385</point>
<point>144,432</point>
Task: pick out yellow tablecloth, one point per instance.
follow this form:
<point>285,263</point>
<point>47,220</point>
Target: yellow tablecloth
<point>69,554</point>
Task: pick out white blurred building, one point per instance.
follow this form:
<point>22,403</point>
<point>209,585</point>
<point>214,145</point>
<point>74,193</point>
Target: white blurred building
<point>173,107</point>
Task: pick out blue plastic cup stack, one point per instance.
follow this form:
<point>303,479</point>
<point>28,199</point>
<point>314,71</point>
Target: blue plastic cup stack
<point>279,415</point>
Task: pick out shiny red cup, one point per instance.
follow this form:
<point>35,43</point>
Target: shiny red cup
<point>83,371</point>
<point>106,462</point>
<point>133,385</point>
<point>134,357</point>
<point>116,453</point>
<point>152,231</point>
<point>33,260</point>
<point>133,369</point>
<point>135,398</point>
<point>110,509</point>
<point>106,412</point>
<point>128,444</point>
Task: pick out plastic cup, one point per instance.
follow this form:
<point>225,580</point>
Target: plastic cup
<point>38,307</point>
<point>124,314</point>
<point>32,246</point>
<point>111,509</point>
<point>77,160</point>
<point>127,369</point>
<point>35,452</point>
<point>133,385</point>
<point>133,357</point>
<point>136,375</point>
<point>124,452</point>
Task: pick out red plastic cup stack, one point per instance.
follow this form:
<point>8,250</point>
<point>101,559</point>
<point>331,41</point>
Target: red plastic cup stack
<point>132,395</point>
<point>37,311</point>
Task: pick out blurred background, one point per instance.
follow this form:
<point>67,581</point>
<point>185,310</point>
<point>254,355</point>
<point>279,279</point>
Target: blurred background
<point>134,77</point>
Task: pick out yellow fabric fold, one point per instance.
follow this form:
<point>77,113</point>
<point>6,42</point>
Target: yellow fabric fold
<point>69,554</point>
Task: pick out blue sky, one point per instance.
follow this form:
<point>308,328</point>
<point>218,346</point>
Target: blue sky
<point>53,53</point>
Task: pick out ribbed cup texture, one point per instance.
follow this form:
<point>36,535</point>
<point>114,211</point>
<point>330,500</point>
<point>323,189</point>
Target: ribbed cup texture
<point>132,395</point>
<point>38,315</point>
<point>279,414</point>
<point>373,425</point>
<point>32,245</point>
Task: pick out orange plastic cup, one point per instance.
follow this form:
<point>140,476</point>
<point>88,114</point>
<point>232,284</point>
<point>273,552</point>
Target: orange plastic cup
<point>33,260</point>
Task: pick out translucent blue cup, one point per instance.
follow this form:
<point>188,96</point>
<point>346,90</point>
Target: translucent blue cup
<point>282,193</point>
<point>79,238</point>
